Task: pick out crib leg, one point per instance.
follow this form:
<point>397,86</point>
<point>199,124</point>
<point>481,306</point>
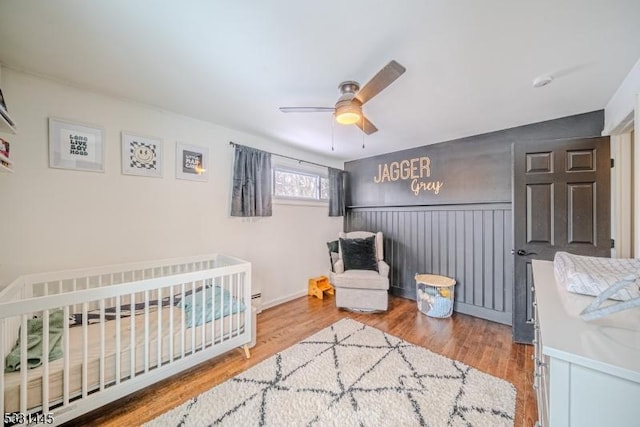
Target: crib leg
<point>246,351</point>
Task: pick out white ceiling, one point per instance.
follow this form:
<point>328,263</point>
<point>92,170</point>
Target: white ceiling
<point>470,64</point>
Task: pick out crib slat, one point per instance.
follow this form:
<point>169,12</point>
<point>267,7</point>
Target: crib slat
<point>226,287</point>
<point>102,343</point>
<point>65,355</point>
<point>193,317</point>
<point>242,300</point>
<point>230,291</point>
<point>247,304</point>
<point>118,373</point>
<point>159,331</point>
<point>238,298</point>
<point>183,332</point>
<point>132,343</point>
<point>233,294</point>
<point>203,327</point>
<point>23,363</point>
<point>221,319</point>
<point>45,361</point>
<point>248,319</point>
<point>213,309</point>
<point>85,349</point>
<point>233,300</point>
<point>171,331</point>
<point>146,331</point>
<point>229,301</point>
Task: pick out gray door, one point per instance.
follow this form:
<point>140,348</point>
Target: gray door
<point>561,202</point>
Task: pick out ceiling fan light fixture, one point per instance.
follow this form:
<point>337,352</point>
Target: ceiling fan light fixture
<point>348,108</point>
<point>348,114</point>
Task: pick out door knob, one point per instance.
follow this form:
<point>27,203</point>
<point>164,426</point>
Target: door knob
<point>522,252</point>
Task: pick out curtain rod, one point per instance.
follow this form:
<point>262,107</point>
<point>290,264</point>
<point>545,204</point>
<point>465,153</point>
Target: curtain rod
<point>285,157</point>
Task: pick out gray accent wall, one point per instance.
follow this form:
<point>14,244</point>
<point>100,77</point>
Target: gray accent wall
<point>471,243</point>
<point>447,209</point>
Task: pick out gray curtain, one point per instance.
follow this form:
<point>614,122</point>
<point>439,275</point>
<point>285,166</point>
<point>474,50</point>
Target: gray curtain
<point>251,194</point>
<point>336,192</point>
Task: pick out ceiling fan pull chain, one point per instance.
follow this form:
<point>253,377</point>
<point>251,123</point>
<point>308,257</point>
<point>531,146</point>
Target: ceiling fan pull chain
<point>363,132</point>
<point>332,137</point>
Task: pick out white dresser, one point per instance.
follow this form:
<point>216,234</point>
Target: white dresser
<point>586,373</point>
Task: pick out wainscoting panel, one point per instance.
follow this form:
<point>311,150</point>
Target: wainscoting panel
<point>471,243</point>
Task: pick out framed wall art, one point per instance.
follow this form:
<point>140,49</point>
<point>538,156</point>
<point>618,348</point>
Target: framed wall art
<point>75,146</point>
<point>141,155</point>
<point>192,162</point>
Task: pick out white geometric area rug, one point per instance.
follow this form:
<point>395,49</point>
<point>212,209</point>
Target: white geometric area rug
<point>350,374</point>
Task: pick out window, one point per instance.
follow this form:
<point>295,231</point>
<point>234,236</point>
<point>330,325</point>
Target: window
<point>300,185</point>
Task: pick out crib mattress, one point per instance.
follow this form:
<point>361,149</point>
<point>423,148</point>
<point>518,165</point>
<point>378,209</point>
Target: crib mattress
<point>193,339</point>
<point>590,275</point>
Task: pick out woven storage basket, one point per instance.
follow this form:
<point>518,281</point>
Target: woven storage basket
<point>435,294</point>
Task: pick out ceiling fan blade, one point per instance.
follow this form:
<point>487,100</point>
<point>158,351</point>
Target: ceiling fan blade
<point>366,126</point>
<point>307,109</point>
<point>380,81</point>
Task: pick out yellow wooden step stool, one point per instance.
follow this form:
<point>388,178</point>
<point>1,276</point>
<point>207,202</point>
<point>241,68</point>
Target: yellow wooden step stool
<point>319,285</point>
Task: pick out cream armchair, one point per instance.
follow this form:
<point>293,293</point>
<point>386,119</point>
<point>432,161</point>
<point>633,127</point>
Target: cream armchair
<point>360,276</point>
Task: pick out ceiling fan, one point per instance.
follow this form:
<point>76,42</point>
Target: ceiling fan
<point>348,109</point>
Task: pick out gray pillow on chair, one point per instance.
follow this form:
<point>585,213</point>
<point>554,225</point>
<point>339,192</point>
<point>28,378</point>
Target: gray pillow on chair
<point>359,254</point>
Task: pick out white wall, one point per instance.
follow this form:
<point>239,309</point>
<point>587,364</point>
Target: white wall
<point>621,115</point>
<point>53,219</point>
<point>619,111</point>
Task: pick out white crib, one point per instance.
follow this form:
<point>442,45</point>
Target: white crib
<point>119,328</point>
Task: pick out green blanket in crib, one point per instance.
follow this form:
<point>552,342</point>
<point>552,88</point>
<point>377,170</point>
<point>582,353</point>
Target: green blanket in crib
<point>34,342</point>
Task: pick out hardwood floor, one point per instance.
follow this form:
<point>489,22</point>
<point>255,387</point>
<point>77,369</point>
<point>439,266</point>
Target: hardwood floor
<point>481,344</point>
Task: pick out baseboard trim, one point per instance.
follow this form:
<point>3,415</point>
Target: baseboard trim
<point>484,313</point>
<point>282,300</point>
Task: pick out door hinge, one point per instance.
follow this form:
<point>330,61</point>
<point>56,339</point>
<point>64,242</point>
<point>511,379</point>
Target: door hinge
<point>613,243</point>
<point>612,163</point>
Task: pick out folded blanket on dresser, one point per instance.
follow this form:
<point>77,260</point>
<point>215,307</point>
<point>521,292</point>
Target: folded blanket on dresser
<point>592,275</point>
